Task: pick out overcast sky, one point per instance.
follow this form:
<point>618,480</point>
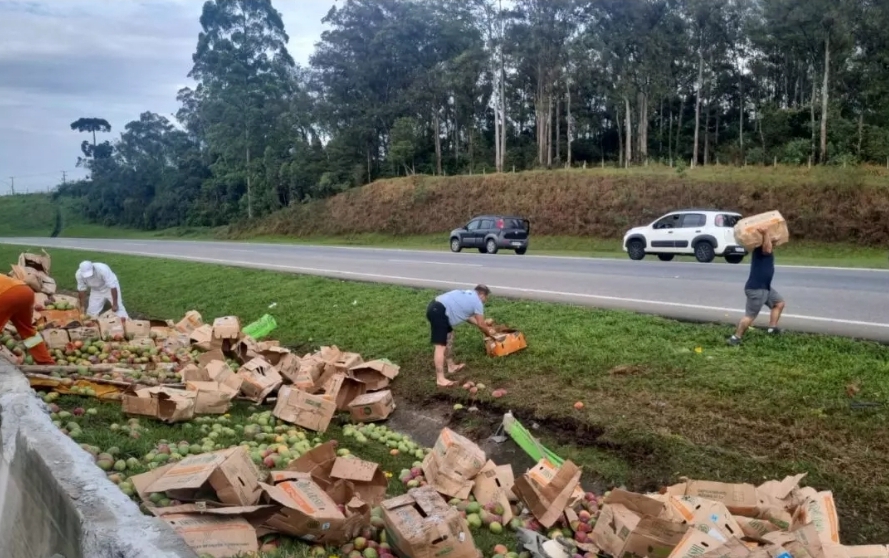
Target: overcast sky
<point>114,59</point>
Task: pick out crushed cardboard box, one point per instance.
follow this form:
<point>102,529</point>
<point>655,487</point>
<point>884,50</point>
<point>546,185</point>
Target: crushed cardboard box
<point>453,463</point>
<point>376,374</point>
<point>631,523</point>
<point>163,403</point>
<point>259,379</point>
<point>308,512</point>
<point>212,398</point>
<point>548,501</point>
<point>225,477</point>
<point>329,471</point>
<point>220,532</point>
<point>740,499</point>
<point>420,524</point>
<point>312,412</point>
<point>40,262</point>
<point>493,485</point>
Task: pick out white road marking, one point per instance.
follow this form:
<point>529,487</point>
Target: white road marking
<point>493,287</point>
<point>436,263</point>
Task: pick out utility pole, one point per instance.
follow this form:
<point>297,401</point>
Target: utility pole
<point>12,184</point>
<point>64,175</point>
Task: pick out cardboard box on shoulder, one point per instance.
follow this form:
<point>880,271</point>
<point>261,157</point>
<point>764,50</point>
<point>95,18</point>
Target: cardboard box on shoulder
<point>226,477</point>
<point>747,229</point>
<point>313,412</point>
<point>28,276</point>
<point>372,407</point>
<point>420,524</point>
<point>453,463</point>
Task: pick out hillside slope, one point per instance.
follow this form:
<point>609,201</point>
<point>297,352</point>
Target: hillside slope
<point>27,215</point>
<point>823,204</point>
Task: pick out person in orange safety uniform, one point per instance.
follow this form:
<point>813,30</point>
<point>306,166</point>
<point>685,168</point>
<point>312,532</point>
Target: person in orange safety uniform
<point>17,305</point>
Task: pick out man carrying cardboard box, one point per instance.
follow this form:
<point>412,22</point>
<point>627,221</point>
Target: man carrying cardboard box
<point>759,289</point>
<point>17,305</point>
<point>101,283</point>
<point>445,313</point>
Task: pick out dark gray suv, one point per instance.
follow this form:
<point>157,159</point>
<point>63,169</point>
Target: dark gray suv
<point>490,233</point>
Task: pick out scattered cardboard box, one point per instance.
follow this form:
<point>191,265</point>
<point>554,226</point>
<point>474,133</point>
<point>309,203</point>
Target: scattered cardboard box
<point>493,485</point>
<point>696,542</point>
<point>630,523</point>
<point>61,318</point>
<point>547,502</point>
<point>215,535</point>
<point>308,512</point>
<point>543,473</point>
<point>453,463</point>
<point>190,322</point>
<point>138,329</point>
<point>376,374</point>
<point>420,524</point>
<point>39,262</point>
<point>56,338</point>
<point>740,499</point>
<point>701,512</point>
<point>260,379</point>
<point>84,333</point>
<point>348,390</point>
<point>226,331</point>
<point>819,509</point>
<point>212,398</point>
<point>371,407</point>
<point>201,337</point>
<point>165,404</point>
<point>111,327</point>
<point>312,412</point>
<point>747,229</point>
<point>220,372</point>
<point>227,477</point>
<point>330,472</point>
<point>28,276</point>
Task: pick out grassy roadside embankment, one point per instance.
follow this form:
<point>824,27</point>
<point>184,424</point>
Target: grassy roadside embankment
<point>662,398</point>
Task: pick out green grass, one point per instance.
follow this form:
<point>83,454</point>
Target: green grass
<point>655,407</point>
<point>27,215</point>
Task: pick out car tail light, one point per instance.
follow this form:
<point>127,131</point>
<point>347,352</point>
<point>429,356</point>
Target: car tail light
<point>499,223</point>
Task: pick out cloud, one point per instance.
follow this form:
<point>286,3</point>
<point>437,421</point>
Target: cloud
<point>114,59</point>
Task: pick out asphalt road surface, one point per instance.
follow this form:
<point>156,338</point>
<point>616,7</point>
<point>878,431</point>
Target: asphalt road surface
<point>848,302</point>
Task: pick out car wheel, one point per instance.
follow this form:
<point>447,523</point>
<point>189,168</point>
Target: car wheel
<point>636,249</point>
<point>734,258</point>
<point>482,250</point>
<point>521,251</point>
<point>455,245</point>
<point>665,257</point>
<point>491,246</point>
<point>704,252</point>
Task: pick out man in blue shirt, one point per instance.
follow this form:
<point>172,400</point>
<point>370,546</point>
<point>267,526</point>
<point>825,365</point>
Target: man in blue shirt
<point>445,313</point>
<point>759,290</point>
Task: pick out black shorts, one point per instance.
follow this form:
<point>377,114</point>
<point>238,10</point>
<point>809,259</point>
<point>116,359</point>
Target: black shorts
<point>438,323</point>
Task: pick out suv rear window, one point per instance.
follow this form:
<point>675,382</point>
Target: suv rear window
<point>513,224</point>
<point>724,220</point>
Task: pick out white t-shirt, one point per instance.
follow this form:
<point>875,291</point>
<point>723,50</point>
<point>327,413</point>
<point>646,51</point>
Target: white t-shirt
<point>103,279</point>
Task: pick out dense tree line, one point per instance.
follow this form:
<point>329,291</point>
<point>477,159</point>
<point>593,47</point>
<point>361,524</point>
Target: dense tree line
<point>398,87</point>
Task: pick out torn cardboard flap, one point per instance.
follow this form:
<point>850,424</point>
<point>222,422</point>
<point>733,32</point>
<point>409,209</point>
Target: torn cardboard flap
<point>376,374</point>
<point>308,375</point>
<point>297,407</point>
<point>220,372</point>
<point>547,502</point>
<point>201,337</point>
<point>367,478</point>
<point>740,499</point>
<point>212,398</point>
<point>620,530</point>
<point>371,407</point>
<point>347,391</point>
<point>165,404</point>
<point>700,511</point>
<point>493,485</point>
<point>819,510</point>
<point>229,473</point>
<point>40,262</point>
<point>543,473</point>
<point>756,528</point>
<point>695,543</point>
<point>260,379</point>
<point>420,524</point>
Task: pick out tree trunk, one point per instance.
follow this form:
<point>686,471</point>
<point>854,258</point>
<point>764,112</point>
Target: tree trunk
<point>676,150</point>
<point>694,157</point>
<point>502,111</point>
<point>629,149</point>
<point>549,130</point>
<point>437,130</point>
<point>824,100</point>
<point>620,138</point>
<point>707,133</point>
<point>558,129</point>
<point>642,127</point>
<point>497,158</point>
<point>812,112</point>
<point>660,149</point>
<point>670,137</point>
<point>569,123</point>
<point>716,135</point>
<point>741,114</point>
<point>249,189</point>
<point>860,131</point>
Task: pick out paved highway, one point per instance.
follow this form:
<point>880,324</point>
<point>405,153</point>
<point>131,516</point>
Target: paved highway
<point>848,302</point>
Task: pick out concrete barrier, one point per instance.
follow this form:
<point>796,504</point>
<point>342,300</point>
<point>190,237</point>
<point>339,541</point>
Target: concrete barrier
<point>54,501</point>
